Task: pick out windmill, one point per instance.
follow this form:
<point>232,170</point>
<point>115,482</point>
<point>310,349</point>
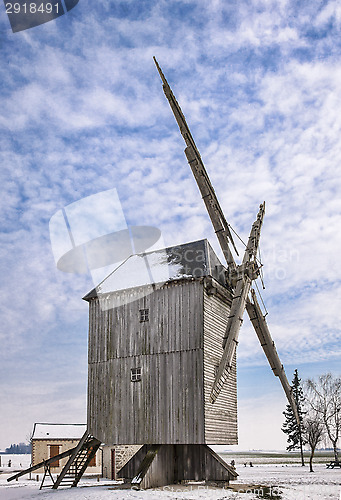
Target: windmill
<point>240,276</point>
<point>163,331</point>
<point>162,351</point>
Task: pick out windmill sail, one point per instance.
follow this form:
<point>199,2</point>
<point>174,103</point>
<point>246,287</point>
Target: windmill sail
<point>215,212</point>
<point>246,273</point>
<point>268,345</point>
<point>240,276</point>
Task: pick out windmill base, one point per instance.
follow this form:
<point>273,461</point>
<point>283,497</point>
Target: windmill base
<point>158,465</point>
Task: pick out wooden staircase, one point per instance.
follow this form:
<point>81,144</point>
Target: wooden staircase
<point>79,458</point>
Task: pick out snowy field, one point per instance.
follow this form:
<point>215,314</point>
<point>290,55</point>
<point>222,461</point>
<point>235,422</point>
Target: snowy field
<point>283,481</point>
<point>17,462</point>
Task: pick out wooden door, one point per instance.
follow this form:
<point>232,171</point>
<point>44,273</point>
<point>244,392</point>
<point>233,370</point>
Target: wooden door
<point>54,450</point>
<point>113,464</point>
<point>92,462</point>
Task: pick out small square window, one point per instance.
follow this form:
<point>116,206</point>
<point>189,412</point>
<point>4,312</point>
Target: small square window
<point>135,374</point>
<point>144,315</point>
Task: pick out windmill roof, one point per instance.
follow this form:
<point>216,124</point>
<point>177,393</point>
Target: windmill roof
<point>58,431</point>
<point>189,260</point>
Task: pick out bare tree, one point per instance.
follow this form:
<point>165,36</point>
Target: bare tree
<point>324,397</point>
<point>313,433</point>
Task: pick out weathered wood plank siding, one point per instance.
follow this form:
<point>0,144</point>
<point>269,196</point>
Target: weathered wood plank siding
<point>166,406</point>
<point>175,323</point>
<point>221,416</point>
<point>161,471</point>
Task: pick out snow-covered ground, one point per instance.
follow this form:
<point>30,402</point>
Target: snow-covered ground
<point>14,462</point>
<point>293,481</point>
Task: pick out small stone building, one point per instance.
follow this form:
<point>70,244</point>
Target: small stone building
<point>49,440</point>
<point>115,457</point>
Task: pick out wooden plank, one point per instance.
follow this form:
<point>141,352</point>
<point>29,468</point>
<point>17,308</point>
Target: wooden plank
<point>220,417</point>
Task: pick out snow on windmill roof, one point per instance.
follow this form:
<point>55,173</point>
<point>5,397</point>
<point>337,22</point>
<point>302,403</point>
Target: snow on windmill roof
<point>58,431</point>
<point>190,260</point>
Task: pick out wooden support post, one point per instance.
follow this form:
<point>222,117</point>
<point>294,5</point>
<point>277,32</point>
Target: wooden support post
<point>158,465</point>
<point>47,470</point>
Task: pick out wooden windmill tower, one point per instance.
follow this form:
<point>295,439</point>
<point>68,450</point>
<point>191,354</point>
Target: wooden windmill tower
<point>162,350</point>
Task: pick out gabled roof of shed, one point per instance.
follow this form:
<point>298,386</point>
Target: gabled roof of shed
<point>190,260</point>
<point>58,431</point>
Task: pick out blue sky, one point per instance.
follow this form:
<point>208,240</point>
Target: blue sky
<point>82,111</point>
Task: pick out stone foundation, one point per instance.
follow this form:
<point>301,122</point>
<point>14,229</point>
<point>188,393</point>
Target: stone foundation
<point>123,453</point>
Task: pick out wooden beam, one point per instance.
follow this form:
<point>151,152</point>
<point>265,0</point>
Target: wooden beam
<point>42,464</point>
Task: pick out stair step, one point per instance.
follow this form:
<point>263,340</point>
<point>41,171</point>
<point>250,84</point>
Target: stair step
<point>71,474</point>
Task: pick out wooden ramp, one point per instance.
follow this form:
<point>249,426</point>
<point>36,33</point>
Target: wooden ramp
<point>158,465</point>
<point>79,458</point>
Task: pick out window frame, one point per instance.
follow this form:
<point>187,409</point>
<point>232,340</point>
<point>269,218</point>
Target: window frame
<point>136,374</point>
<point>144,315</point>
